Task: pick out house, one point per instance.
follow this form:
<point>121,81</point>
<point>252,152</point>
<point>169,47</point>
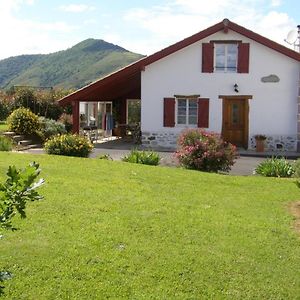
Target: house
<point>225,78</point>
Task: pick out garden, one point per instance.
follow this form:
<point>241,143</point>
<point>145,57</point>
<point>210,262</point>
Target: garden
<point>130,230</point>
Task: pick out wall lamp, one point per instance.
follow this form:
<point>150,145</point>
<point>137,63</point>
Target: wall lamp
<point>236,88</point>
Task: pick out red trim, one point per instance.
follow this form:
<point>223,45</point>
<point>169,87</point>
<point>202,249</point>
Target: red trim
<point>134,69</point>
<point>215,28</point>
<point>75,116</point>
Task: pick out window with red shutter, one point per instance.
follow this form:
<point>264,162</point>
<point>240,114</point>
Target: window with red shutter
<point>203,112</point>
<point>225,57</point>
<point>169,112</point>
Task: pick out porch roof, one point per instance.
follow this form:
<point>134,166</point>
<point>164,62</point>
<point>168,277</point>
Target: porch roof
<point>126,82</point>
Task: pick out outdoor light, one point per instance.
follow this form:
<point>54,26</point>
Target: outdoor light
<point>236,88</point>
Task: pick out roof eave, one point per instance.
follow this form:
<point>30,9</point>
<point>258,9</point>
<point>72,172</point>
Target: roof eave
<point>139,65</point>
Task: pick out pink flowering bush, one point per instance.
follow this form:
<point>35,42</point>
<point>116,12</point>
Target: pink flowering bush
<point>205,151</point>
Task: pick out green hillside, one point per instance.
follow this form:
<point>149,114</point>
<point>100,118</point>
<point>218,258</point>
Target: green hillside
<point>71,68</point>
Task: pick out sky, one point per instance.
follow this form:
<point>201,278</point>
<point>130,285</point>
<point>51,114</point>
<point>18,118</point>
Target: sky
<point>141,26</point>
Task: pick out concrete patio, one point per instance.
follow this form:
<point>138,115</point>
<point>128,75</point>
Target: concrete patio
<point>118,148</point>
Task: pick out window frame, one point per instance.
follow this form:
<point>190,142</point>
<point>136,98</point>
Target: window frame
<point>187,115</point>
<point>225,70</point>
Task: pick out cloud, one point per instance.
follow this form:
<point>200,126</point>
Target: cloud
<point>30,2</point>
<point>181,18</point>
<point>113,38</point>
<point>76,8</point>
<point>275,3</point>
<point>21,36</point>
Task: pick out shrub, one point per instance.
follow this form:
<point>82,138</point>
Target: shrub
<point>205,151</point>
<point>19,188</point>
<point>5,143</point>
<point>5,110</point>
<point>50,128</point>
<point>69,145</point>
<point>23,121</point>
<point>275,167</point>
<point>142,157</point>
<point>67,120</point>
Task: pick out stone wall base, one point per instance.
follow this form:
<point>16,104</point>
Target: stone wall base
<point>168,140</point>
<point>153,140</point>
<point>277,143</point>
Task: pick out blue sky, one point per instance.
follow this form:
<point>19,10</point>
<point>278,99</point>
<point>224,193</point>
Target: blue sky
<point>40,26</point>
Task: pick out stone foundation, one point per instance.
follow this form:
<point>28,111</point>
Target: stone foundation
<point>154,140</point>
<point>277,143</point>
<point>168,140</point>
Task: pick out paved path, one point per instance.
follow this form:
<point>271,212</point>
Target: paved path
<point>243,166</point>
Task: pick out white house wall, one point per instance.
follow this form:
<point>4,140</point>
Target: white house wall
<point>272,111</point>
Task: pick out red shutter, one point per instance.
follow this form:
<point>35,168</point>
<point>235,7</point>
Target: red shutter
<point>243,58</point>
<point>203,112</point>
<point>207,57</point>
<point>169,112</point>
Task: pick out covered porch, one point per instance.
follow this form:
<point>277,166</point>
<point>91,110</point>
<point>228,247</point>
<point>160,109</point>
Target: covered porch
<point>108,107</point>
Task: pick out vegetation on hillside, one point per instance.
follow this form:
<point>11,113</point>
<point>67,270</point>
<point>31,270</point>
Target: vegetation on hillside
<point>72,68</point>
<point>42,102</point>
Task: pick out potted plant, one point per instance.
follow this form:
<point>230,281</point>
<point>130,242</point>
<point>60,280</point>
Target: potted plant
<point>260,142</point>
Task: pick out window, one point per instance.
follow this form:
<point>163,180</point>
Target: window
<point>133,111</point>
<point>187,111</point>
<point>226,57</point>
<point>183,111</point>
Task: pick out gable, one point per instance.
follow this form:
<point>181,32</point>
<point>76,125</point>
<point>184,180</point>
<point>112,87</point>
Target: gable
<point>135,69</point>
<point>225,26</point>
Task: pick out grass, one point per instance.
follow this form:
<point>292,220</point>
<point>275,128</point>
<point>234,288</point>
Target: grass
<point>125,231</point>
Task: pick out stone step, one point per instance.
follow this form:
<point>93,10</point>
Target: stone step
<point>27,147</point>
<point>9,133</point>
<point>24,142</point>
<point>18,138</point>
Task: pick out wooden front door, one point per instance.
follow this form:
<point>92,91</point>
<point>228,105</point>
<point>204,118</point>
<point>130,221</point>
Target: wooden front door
<point>235,121</point>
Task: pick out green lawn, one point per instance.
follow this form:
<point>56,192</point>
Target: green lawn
<point>124,231</point>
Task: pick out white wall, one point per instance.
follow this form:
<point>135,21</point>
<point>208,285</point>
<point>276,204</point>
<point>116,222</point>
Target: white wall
<point>272,111</point>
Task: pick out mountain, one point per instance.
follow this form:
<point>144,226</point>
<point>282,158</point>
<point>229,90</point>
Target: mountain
<point>75,67</point>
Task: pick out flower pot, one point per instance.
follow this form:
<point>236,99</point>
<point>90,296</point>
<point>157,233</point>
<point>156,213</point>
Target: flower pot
<point>260,145</point>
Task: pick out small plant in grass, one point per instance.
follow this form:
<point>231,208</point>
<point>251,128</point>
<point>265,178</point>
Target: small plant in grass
<point>296,166</point>
<point>105,157</point>
<point>23,121</point>
<point>142,157</point>
<point>49,127</point>
<point>5,143</point>
<point>275,167</point>
<point>69,145</point>
<point>205,151</point>
<point>19,188</point>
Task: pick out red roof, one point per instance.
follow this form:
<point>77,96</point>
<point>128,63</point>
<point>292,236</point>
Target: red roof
<point>127,81</point>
